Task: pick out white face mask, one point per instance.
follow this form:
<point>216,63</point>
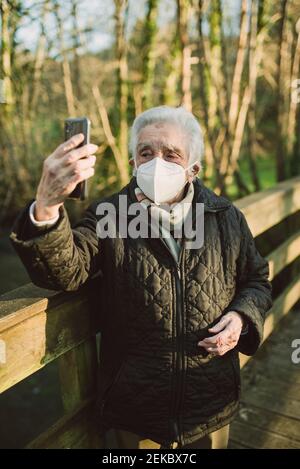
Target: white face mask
<point>161,180</point>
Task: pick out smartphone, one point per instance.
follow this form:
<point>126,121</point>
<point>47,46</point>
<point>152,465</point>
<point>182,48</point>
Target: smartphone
<point>75,126</point>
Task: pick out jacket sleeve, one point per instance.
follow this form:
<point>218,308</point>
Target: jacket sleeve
<point>58,257</point>
<point>253,296</point>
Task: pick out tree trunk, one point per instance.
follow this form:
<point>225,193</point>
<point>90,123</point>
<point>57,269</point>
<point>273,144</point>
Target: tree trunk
<point>38,62</point>
<point>295,85</point>
<point>252,83</point>
<point>170,95</point>
<point>207,93</point>
<point>122,86</point>
<point>67,78</point>
<point>76,45</point>
<point>280,150</point>
<point>121,164</point>
<point>149,53</point>
<point>185,53</point>
<point>6,71</point>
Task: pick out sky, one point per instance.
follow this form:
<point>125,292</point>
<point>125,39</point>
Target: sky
<point>98,14</point>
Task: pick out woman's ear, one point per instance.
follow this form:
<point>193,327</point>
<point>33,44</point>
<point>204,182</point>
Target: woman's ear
<point>196,168</point>
<point>193,171</point>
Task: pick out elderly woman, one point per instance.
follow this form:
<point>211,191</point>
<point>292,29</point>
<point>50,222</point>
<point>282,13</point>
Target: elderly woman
<point>173,317</point>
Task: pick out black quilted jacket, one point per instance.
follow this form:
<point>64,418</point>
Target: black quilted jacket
<point>153,379</point>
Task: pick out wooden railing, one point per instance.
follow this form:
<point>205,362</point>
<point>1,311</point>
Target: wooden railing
<point>38,326</point>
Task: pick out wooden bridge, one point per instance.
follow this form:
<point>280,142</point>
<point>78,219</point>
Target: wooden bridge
<point>38,326</point>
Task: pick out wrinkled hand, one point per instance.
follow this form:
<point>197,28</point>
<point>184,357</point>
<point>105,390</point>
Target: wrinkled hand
<point>62,171</point>
<point>228,331</point>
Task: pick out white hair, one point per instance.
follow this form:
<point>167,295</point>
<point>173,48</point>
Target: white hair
<point>177,115</point>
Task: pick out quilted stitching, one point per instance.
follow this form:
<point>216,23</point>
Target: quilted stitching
<point>226,273</point>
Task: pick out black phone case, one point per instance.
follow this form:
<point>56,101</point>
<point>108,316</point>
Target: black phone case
<point>75,126</point>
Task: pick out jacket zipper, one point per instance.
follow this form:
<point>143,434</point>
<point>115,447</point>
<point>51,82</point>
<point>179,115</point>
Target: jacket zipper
<point>180,367</point>
<point>179,345</point>
<point>179,317</point>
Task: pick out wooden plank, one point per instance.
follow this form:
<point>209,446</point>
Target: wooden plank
<point>74,430</point>
<point>267,208</point>
<point>278,388</point>
<point>254,437</point>
<point>42,337</point>
<point>269,420</point>
<point>26,301</point>
<point>29,300</point>
<point>233,444</point>
<point>271,389</point>
<point>275,357</point>
<point>287,407</point>
<point>286,253</point>
<point>78,372</point>
<point>271,369</point>
<point>281,308</point>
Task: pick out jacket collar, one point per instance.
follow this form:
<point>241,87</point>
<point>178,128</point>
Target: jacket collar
<point>212,202</point>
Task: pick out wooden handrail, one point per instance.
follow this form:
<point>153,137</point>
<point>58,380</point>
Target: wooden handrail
<point>39,325</point>
<point>266,208</point>
<point>46,325</point>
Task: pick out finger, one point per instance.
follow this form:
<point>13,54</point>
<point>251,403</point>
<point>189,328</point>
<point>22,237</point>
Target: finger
<point>218,350</point>
<point>83,175</point>
<point>83,164</point>
<point>213,350</point>
<point>207,342</point>
<point>220,325</point>
<point>68,145</point>
<point>78,153</point>
<point>215,339</point>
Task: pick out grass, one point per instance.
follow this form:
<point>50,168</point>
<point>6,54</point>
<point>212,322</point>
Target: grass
<point>266,173</point>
